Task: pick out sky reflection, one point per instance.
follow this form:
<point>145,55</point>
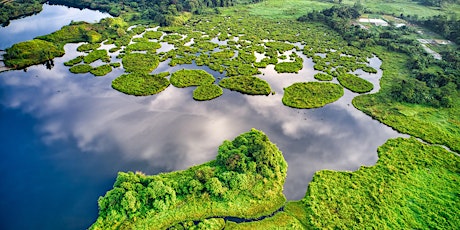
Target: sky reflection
<point>50,19</point>
<point>74,133</point>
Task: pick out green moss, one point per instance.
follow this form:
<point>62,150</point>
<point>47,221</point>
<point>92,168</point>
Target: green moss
<point>140,84</point>
<point>305,95</point>
<point>96,55</point>
<point>412,186</point>
<point>74,61</point>
<point>31,52</point>
<point>82,68</point>
<point>207,92</point>
<point>323,77</point>
<point>355,84</point>
<point>101,70</point>
<point>185,78</point>
<point>138,62</point>
<point>247,85</point>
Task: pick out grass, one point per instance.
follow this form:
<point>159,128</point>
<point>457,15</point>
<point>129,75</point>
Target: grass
<point>412,186</point>
<point>207,92</point>
<point>306,95</point>
<point>247,85</point>
<point>140,84</point>
<point>186,78</point>
<point>434,125</point>
<point>74,61</point>
<point>96,55</point>
<point>323,77</point>
<point>101,70</point>
<point>138,62</point>
<point>82,68</point>
<point>354,83</point>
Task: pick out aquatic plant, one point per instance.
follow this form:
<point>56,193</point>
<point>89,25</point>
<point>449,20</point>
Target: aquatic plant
<point>305,95</point>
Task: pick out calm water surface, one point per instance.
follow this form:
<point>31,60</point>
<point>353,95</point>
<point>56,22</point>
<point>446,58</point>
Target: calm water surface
<point>64,137</point>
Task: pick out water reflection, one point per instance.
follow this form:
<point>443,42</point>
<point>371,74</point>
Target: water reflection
<point>50,19</point>
<point>83,132</point>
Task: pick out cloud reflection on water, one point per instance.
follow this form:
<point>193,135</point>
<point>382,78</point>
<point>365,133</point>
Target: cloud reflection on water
<point>92,131</point>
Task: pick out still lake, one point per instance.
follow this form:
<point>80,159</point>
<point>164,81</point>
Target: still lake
<point>64,137</point>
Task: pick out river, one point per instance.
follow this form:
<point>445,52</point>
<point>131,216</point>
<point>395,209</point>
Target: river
<point>64,137</point>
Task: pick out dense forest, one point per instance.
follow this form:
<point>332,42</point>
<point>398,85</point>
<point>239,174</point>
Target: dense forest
<point>159,11</point>
<point>10,10</point>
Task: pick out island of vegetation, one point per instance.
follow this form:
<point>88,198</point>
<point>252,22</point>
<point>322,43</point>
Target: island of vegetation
<point>413,185</point>
<point>247,85</point>
<point>246,180</point>
<point>354,83</point>
<point>141,84</point>
<point>307,95</point>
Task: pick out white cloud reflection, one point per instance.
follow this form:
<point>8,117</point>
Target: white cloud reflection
<point>171,131</point>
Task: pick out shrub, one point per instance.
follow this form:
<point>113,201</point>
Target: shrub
<point>305,95</point>
<point>246,84</point>
<point>354,83</point>
<point>207,92</point>
<point>185,78</point>
<point>140,84</point>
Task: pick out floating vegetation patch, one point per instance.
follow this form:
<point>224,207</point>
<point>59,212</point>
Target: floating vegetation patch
<point>141,84</point>
<point>96,55</point>
<point>323,77</point>
<point>247,85</point>
<point>290,67</point>
<point>153,34</point>
<point>101,70</point>
<point>306,95</point>
<point>88,47</point>
<point>280,46</point>
<point>139,62</point>
<point>143,46</point>
<point>186,77</point>
<point>355,84</point>
<point>207,92</point>
<point>82,68</point>
<point>74,61</point>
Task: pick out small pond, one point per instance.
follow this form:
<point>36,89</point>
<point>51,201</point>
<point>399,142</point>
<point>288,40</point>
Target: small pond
<point>64,136</point>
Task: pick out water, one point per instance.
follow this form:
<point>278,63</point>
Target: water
<point>64,137</point>
<point>50,19</point>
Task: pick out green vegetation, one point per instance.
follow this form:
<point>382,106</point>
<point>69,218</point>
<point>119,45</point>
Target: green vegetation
<point>290,67</point>
<point>207,92</point>
<point>31,52</point>
<point>96,55</point>
<point>245,180</point>
<point>101,70</point>
<point>247,85</point>
<point>354,83</point>
<point>143,46</point>
<point>323,77</point>
<point>412,186</point>
<point>10,10</point>
<point>305,95</point>
<point>88,47</point>
<point>139,62</point>
<point>74,61</point>
<point>186,78</point>
<point>82,68</point>
<point>141,84</point>
<point>153,34</point>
